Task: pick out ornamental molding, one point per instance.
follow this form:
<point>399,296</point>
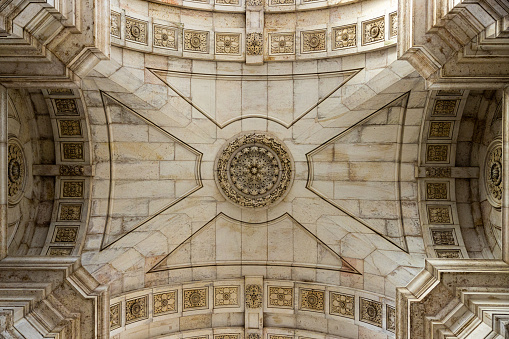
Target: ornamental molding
<point>254,170</point>
<point>493,183</point>
<point>16,171</point>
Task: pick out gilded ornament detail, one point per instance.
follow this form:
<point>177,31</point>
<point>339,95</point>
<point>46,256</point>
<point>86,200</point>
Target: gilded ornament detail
<point>228,43</point>
<point>226,296</point>
<point>440,129</point>
<point>253,296</point>
<point>312,300</point>
<point>493,173</point>
<point>196,41</point>
<point>72,189</point>
<point>70,212</point>
<point>71,170</point>
<point>16,171</point>
<point>443,237</point>
<point>313,41</point>
<point>449,254</point>
<point>371,312</point>
<point>65,107</point>
<point>282,43</point>
<point>373,31</point>
<point>342,305</point>
<point>254,170</point>
<point>72,151</point>
<point>437,153</point>
<point>393,28</point>
<point>254,44</point>
<point>115,318</point>
<point>439,215</point>
<point>437,190</point>
<point>344,37</point>
<point>69,128</point>
<point>60,251</point>
<point>66,234</point>
<point>115,24</point>
<point>136,30</point>
<point>444,107</point>
<point>165,37</point>
<point>136,309</point>
<point>391,318</point>
<point>165,303</point>
<point>280,296</point>
<point>195,298</point>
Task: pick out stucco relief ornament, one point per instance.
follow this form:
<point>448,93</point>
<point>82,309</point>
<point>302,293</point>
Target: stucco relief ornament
<point>15,171</point>
<point>254,170</point>
<point>493,173</point>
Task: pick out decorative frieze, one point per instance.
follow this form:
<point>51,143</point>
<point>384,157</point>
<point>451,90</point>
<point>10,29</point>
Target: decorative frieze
<point>136,309</point>
<point>136,30</point>
<point>391,318</point>
<point>66,234</point>
<point>439,214</point>
<point>437,153</point>
<point>371,312</point>
<point>196,41</point>
<point>59,251</point>
<point>437,190</point>
<point>440,129</point>
<point>449,254</point>
<point>65,107</point>
<point>254,44</point>
<point>312,300</point>
<point>70,212</point>
<point>226,296</point>
<point>281,43</point>
<point>115,26</point>
<point>196,298</point>
<point>69,128</point>
<point>165,303</point>
<point>373,31</point>
<point>444,107</point>
<point>115,317</point>
<point>254,2</point>
<point>72,189</point>
<point>342,305</point>
<point>228,43</point>
<point>16,171</point>
<point>253,296</point>
<point>165,37</point>
<point>438,172</point>
<point>393,25</point>
<point>443,237</point>
<point>345,36</point>
<point>281,297</point>
<point>71,170</point>
<point>313,41</point>
<point>72,151</point>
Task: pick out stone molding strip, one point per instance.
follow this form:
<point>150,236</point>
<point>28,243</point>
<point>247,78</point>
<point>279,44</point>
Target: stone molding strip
<point>163,303</point>
<point>180,40</point>
<point>73,172</point>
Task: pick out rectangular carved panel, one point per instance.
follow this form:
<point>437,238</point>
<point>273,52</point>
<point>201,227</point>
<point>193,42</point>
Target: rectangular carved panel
<point>136,309</point>
<point>342,305</point>
<point>281,297</point>
<point>165,303</point>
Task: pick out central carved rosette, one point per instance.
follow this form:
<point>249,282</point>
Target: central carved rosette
<point>254,170</point>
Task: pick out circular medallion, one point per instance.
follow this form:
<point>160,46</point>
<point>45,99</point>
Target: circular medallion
<point>314,42</point>
<point>282,43</point>
<point>254,170</point>
<point>164,37</point>
<point>15,171</point>
<point>135,31</point>
<point>195,42</point>
<point>345,37</point>
<point>373,31</point>
<point>493,173</point>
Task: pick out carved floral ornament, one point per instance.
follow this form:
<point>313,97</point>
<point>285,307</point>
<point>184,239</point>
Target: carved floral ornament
<point>493,173</point>
<point>16,171</point>
<point>254,170</point>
